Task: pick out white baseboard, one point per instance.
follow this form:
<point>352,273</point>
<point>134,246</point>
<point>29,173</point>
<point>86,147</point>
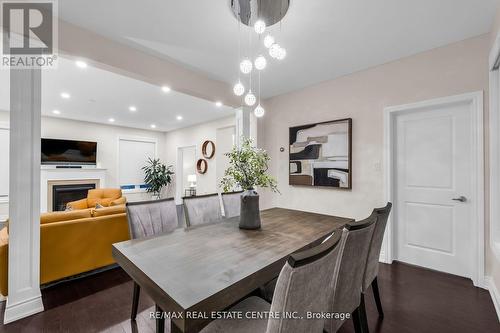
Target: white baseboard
<point>383,258</point>
<point>495,295</point>
<point>22,309</point>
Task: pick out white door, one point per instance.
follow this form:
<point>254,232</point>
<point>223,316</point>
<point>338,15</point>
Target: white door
<point>433,214</point>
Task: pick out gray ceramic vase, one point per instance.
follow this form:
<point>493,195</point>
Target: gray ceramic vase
<point>250,213</point>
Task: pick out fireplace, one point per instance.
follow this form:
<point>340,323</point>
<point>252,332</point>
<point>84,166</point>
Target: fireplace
<point>64,193</point>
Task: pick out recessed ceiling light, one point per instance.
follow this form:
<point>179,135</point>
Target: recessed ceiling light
<point>65,95</point>
<point>111,120</point>
<point>218,104</point>
<point>179,117</point>
<point>56,112</point>
<point>81,64</point>
<point>153,126</point>
<point>132,108</point>
<point>165,89</point>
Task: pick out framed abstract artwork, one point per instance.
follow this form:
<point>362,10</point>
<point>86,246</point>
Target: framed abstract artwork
<point>320,154</point>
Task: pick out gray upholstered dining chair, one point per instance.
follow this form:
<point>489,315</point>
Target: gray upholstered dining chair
<point>148,218</point>
<point>372,263</point>
<point>231,203</point>
<point>300,290</point>
<point>346,295</point>
<point>202,209</point>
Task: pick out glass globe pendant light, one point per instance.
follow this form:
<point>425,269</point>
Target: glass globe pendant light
<point>260,62</point>
<point>281,53</point>
<point>268,41</point>
<point>250,98</point>
<point>259,111</point>
<point>246,66</point>
<point>274,51</point>
<point>259,27</point>
<point>239,89</point>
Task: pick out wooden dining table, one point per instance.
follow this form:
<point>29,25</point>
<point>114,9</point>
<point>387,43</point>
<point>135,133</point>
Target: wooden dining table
<point>192,273</point>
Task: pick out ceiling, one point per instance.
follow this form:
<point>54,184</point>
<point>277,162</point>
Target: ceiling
<point>325,39</point>
<point>96,95</point>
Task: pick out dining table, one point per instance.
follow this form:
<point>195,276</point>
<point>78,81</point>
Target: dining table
<point>195,273</point>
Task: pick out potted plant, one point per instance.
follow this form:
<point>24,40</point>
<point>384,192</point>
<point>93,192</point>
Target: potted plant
<point>248,170</point>
<point>157,175</point>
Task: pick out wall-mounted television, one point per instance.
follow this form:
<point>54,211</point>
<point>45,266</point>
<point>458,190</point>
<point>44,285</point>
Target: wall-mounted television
<point>68,152</point>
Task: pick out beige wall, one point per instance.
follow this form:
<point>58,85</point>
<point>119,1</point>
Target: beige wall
<point>195,136</point>
<point>454,69</point>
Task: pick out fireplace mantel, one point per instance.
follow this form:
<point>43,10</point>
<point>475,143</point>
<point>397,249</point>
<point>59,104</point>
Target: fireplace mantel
<point>60,175</point>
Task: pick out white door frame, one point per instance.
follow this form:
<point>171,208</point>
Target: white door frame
<point>494,141</point>
<point>179,173</point>
<point>477,127</point>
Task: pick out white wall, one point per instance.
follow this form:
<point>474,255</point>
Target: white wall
<point>107,144</point>
<point>195,136</point>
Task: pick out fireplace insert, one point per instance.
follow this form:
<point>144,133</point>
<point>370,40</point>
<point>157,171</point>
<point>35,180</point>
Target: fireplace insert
<point>62,194</point>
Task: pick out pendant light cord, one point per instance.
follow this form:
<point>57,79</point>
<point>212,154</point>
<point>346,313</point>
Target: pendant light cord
<point>259,87</point>
<point>251,57</point>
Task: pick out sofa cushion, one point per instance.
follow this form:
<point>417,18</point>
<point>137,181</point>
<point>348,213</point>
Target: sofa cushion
<point>65,216</point>
<point>4,236</point>
<point>119,201</point>
<point>109,210</point>
<point>113,193</point>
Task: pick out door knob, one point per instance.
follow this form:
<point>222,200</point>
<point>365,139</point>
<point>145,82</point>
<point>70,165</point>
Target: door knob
<point>460,198</point>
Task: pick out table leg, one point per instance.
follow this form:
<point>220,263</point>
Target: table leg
<point>160,321</point>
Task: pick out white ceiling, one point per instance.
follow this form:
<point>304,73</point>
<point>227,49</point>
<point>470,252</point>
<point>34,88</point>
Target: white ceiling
<point>97,95</point>
<point>325,39</point>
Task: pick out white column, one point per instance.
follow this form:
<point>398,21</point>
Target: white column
<point>243,124</point>
<point>24,297</point>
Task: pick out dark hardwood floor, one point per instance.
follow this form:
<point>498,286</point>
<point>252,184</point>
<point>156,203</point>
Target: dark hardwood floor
<point>414,299</point>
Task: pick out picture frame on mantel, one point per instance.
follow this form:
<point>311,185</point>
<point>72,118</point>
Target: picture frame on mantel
<point>320,154</point>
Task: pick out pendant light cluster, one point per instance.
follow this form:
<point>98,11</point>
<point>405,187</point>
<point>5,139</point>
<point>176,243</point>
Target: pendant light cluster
<point>259,63</point>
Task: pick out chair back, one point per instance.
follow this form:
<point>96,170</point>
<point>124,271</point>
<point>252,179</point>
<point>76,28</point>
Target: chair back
<point>202,209</point>
<point>147,218</point>
<point>371,270</point>
<point>345,294</point>
<point>232,204</point>
<point>301,286</point>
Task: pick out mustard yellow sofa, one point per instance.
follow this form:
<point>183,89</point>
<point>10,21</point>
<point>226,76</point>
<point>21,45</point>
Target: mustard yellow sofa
<point>72,242</point>
<point>104,196</point>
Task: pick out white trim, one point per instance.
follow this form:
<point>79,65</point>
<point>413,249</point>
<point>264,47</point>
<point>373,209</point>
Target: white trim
<point>22,309</point>
<point>495,295</point>
<point>477,127</point>
<point>494,140</point>
<point>382,257</point>
<point>4,125</point>
<point>24,296</point>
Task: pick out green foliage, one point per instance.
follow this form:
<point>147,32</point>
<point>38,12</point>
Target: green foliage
<point>248,168</point>
<point>157,175</point>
